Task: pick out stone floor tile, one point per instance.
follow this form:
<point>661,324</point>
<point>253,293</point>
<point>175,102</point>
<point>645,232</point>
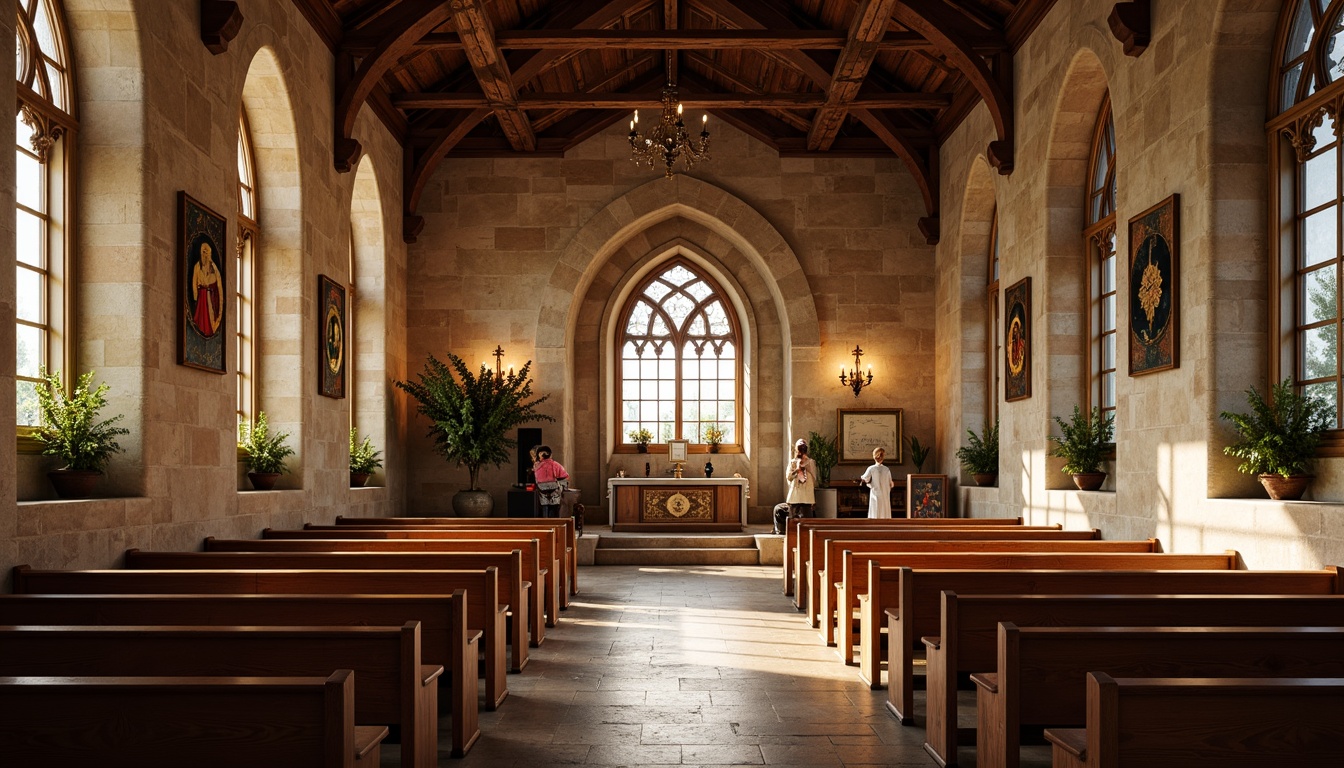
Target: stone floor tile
<point>721,754</point>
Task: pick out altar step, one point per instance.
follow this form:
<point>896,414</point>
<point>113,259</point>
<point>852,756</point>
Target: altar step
<point>664,549</point>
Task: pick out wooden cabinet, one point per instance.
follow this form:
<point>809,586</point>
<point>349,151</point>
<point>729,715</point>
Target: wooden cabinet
<point>852,500</point>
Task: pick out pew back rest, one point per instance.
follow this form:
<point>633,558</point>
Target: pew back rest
<point>1225,722</point>
<point>280,722</point>
<point>531,549</point>
<point>551,556</point>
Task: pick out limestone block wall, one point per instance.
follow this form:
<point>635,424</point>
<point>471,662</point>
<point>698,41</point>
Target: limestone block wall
<point>158,114</point>
<point>1189,116</point>
<point>533,254</point>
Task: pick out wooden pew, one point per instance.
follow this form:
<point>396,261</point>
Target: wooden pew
<point>912,600</point>
<point>969,637</point>
<point>169,722</point>
<point>796,524</point>
<point>551,552</point>
<point>1222,722</point>
<point>393,687</point>
<point>566,533</point>
<point>885,588</point>
<point>849,560</point>
<point>509,565</point>
<point>1041,676</point>
<point>809,575</point>
<point>484,608</point>
<point>531,550</point>
<point>444,635</point>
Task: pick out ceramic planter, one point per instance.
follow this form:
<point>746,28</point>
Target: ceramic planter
<point>1089,481</point>
<point>1289,488</point>
<point>263,481</point>
<point>74,483</point>
<point>359,479</point>
<point>473,504</point>
<point>985,479</point>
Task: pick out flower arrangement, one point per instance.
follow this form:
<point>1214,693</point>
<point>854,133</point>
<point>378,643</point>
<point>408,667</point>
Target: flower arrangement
<point>713,435</point>
<point>641,438</point>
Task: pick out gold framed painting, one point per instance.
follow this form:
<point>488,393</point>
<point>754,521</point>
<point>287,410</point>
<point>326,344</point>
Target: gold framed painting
<point>203,296</point>
<point>860,430</point>
<point>331,344</point>
<point>1154,290</point>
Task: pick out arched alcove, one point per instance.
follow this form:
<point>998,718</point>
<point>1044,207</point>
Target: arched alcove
<point>280,268</point>
<point>968,407</point>
<point>693,217</point>
<point>368,305</point>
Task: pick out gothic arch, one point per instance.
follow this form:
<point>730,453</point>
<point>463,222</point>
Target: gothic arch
<point>368,304</point>
<point>968,409</point>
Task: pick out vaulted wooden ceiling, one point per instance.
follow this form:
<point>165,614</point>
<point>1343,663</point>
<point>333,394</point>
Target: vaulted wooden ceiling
<point>868,78</point>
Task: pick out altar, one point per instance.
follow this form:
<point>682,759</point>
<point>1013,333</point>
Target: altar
<point>672,505</point>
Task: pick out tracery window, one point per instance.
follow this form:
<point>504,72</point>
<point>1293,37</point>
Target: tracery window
<point>994,342</point>
<point>245,293</point>
<point>1099,237</point>
<point>1307,96</point>
<point>680,357</point>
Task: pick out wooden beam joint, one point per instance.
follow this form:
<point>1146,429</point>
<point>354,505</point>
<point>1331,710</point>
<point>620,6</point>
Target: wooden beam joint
<point>411,227</point>
<point>1000,156</point>
<point>1132,25</point>
<point>929,227</point>
<point>221,21</point>
<point>347,154</point>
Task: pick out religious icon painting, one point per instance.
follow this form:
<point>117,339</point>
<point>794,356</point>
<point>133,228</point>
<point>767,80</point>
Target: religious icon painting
<point>1017,340</point>
<point>202,296</point>
<point>331,337</point>
<point>1154,307</point>
<point>925,496</point>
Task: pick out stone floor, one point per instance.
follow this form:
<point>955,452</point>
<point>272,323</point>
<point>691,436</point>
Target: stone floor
<point>689,665</point>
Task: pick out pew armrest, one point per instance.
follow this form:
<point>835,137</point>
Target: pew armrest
<point>367,739</point>
<point>931,643</point>
<point>429,673</point>
<point>474,636</point>
<point>1071,740</point>
<point>893,613</point>
<point>986,680</point>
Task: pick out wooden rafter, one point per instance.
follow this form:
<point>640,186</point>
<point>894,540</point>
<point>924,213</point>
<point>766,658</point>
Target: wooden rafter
<point>867,27</point>
<point>691,100</point>
<point>487,61</point>
<point>421,166</point>
<point>408,22</point>
<point>670,25</point>
<point>681,40</point>
<point>930,19</point>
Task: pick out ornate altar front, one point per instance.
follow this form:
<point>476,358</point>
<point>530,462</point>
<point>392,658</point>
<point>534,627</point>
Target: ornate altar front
<point>668,505</point>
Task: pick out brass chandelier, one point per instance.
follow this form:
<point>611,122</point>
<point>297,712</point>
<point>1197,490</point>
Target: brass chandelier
<point>669,141</point>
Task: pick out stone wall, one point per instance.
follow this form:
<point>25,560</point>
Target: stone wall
<point>1189,117</point>
<point>158,114</point>
<point>533,254</point>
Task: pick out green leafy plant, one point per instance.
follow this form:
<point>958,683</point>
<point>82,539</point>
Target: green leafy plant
<point>824,452</point>
<point>1279,437</point>
<point>263,452</point>
<point>1083,440</point>
<point>640,437</point>
<point>71,428</point>
<point>713,435</point>
<point>919,453</point>
<point>363,457</point>
<point>980,456</point>
<point>471,414</point>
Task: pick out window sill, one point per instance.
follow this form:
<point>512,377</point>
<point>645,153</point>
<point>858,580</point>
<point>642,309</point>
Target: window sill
<point>49,517</point>
<point>661,450</point>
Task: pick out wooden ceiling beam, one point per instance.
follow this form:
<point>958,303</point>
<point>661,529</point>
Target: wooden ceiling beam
<point>487,61</point>
<point>670,24</point>
<point>924,169</point>
<point>526,65</point>
<point>866,27</point>
<point>692,100</point>
<point>930,19</point>
<point>681,40</point>
<point>769,17</point>
<point>408,22</point>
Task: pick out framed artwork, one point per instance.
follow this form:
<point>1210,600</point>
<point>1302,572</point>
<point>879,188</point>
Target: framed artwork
<point>1154,292</point>
<point>202,288</point>
<point>331,337</point>
<point>677,450</point>
<point>1017,340</point>
<point>926,495</point>
<point>859,431</point>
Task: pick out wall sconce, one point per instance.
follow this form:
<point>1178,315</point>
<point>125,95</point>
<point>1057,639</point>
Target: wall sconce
<point>499,368</point>
<point>854,379</point>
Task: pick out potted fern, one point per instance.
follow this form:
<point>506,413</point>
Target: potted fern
<point>980,456</point>
<point>73,431</point>
<point>363,459</point>
<point>826,454</point>
<point>919,453</point>
<point>1082,445</point>
<point>263,453</point>
<point>1279,438</point>
<point>470,415</point>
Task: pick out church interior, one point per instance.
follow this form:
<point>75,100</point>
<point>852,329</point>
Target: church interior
<point>681,217</point>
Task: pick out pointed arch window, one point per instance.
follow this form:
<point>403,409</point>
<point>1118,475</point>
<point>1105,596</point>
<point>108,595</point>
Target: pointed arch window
<point>1099,241</point>
<point>994,331</point>
<point>246,255</point>
<point>680,359</point>
<point>45,129</point>
<point>1307,97</point>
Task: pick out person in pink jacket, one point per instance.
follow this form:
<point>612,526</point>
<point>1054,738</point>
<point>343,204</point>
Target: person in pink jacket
<point>550,477</point>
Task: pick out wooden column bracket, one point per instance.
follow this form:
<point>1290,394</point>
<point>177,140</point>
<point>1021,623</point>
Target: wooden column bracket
<point>220,22</point>
<point>1000,156</point>
<point>411,227</point>
<point>929,227</point>
<point>347,154</point>
<point>1132,25</point>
